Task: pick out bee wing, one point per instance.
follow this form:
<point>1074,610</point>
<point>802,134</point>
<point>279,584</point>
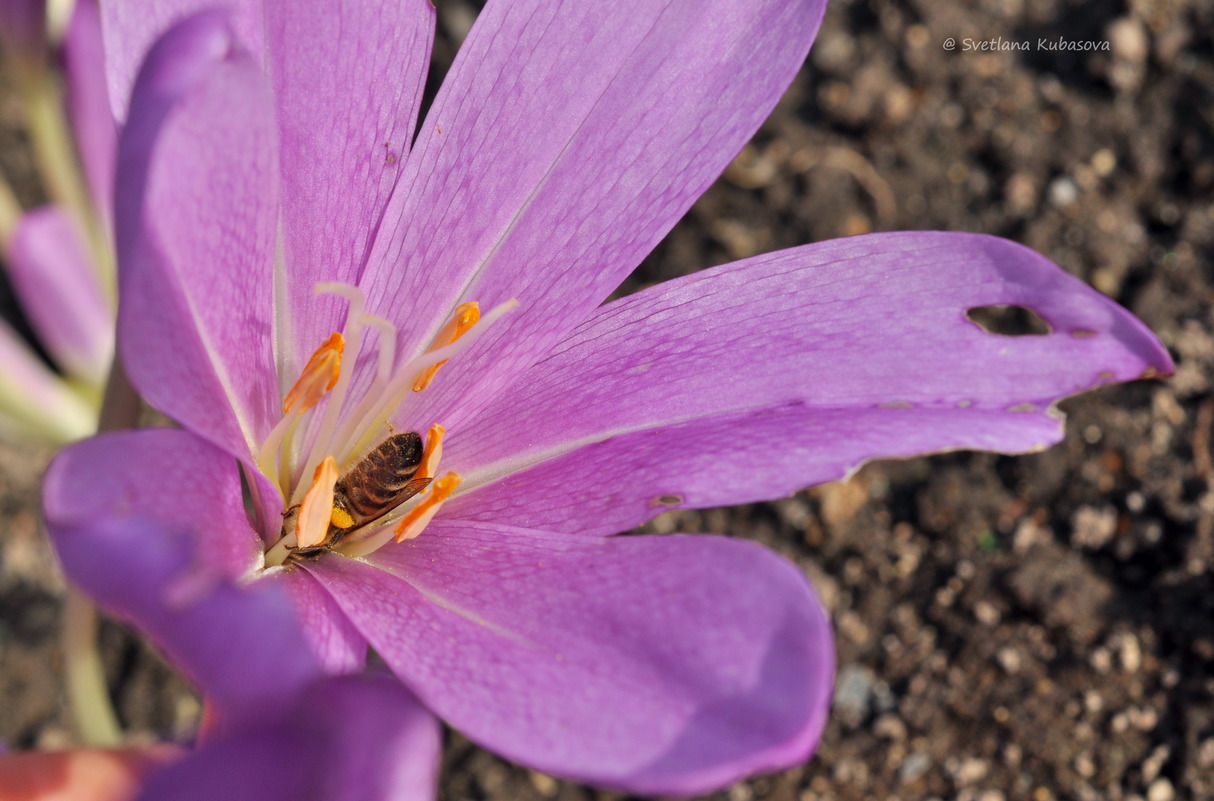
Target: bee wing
<point>407,491</point>
<point>411,488</point>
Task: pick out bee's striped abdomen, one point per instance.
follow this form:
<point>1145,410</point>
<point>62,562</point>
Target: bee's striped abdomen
<point>383,480</point>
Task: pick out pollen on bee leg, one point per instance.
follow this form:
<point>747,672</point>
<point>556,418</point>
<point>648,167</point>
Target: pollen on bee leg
<point>466,315</point>
<point>319,376</point>
<point>316,509</point>
<point>420,516</point>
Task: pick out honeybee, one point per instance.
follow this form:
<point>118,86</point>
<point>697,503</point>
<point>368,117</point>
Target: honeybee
<point>381,481</point>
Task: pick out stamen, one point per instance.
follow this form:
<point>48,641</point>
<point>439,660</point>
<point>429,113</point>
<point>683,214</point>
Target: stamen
<point>316,509</point>
<point>432,453</point>
<point>371,415</point>
<point>321,443</point>
<point>319,376</point>
<point>466,315</point>
<point>420,516</point>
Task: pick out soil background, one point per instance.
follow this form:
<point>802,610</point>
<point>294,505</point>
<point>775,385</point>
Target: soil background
<point>1033,627</point>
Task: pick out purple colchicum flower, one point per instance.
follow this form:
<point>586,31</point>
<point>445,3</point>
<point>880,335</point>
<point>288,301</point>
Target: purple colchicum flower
<point>287,730</point>
<point>267,197</point>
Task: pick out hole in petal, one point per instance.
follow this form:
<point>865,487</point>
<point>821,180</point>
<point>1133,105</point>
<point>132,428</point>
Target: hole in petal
<point>666,500</point>
<point>1008,321</point>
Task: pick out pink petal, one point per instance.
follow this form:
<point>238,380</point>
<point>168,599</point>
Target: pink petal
<point>565,142</point>
<point>161,476</point>
<point>751,380</point>
<point>130,30</point>
<point>347,80</point>
<point>23,27</point>
<point>664,665</point>
<point>196,221</point>
<point>58,291</point>
<point>334,639</point>
<point>351,738</point>
<point>89,104</point>
<point>240,644</point>
<point>33,400</point>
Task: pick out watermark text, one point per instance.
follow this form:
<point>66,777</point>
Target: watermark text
<point>998,43</point>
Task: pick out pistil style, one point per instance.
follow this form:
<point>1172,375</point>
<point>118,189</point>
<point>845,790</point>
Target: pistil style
<point>345,432</point>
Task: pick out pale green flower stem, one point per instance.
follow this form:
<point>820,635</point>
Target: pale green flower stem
<point>10,211</point>
<point>55,154</point>
<point>88,696</point>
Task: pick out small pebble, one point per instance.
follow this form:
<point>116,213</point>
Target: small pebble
<point>1104,162</point>
<point>1009,659</point>
<point>1142,718</point>
<point>986,613</point>
<point>914,766</point>
<point>1063,191</point>
<point>1128,39</point>
<point>890,727</point>
<point>1160,790</point>
<point>971,770</point>
<point>741,792</point>
<point>854,692</point>
<point>544,784</point>
<point>1130,653</point>
<point>1101,660</point>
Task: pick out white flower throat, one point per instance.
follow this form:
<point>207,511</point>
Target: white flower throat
<point>355,483</point>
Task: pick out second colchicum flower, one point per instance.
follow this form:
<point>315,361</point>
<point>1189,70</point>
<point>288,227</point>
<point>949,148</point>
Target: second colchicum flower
<point>403,352</point>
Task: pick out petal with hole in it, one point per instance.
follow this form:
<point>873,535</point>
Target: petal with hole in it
<point>750,380</point>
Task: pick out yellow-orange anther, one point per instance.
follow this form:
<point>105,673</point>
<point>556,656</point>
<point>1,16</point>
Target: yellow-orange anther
<point>433,452</point>
<point>312,526</point>
<point>420,516</point>
<point>466,315</point>
<point>319,376</point>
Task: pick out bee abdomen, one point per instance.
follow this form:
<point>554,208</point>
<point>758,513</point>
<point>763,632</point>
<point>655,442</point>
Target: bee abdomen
<point>377,483</point>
